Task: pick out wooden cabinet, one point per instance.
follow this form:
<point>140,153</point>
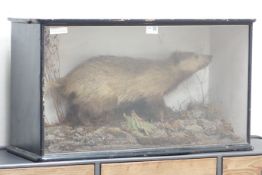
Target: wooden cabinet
<point>230,165</point>
<point>205,166</point>
<point>246,165</point>
<point>59,170</point>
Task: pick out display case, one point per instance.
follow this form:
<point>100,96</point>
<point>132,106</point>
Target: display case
<point>129,88</point>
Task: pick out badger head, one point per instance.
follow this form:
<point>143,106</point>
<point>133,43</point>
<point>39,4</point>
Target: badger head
<point>189,61</point>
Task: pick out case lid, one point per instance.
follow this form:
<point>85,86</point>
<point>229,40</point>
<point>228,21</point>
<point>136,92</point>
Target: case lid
<point>97,22</point>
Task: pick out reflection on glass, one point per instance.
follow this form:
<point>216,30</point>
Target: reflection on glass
<point>118,87</point>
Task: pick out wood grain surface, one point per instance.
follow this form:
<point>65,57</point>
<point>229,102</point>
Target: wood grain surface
<point>206,166</point>
<point>246,165</point>
<point>59,170</point>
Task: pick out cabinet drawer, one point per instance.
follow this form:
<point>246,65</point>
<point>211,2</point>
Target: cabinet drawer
<point>246,165</point>
<point>59,170</point>
<point>169,167</point>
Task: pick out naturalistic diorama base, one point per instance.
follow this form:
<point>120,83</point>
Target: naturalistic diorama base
<point>198,125</point>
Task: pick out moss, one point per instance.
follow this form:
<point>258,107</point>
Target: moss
<point>138,126</point>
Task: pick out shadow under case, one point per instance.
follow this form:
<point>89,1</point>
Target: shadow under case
<point>128,88</point>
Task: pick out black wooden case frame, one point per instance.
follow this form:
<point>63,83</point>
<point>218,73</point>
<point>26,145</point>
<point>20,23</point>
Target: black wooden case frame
<point>27,122</point>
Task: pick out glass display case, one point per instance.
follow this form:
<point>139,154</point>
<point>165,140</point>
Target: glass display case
<point>128,88</point>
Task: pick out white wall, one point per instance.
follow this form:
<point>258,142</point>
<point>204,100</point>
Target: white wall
<point>229,74</point>
<point>128,9</point>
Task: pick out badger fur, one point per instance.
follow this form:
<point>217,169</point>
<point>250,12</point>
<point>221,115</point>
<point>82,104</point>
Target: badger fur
<point>105,85</point>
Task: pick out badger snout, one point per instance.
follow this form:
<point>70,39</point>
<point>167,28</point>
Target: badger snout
<point>206,59</point>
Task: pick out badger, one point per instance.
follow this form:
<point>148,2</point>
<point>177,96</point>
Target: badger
<point>104,87</point>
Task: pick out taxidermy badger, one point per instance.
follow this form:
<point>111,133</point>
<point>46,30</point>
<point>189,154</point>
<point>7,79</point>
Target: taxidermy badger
<point>105,87</point>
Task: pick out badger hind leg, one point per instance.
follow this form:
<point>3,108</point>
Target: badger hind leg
<point>97,112</point>
<point>72,112</point>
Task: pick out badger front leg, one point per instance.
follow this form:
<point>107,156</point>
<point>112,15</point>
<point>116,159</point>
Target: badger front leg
<point>152,109</point>
<point>158,107</point>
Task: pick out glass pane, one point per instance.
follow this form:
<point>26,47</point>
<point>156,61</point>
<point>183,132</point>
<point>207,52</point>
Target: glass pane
<point>125,87</point>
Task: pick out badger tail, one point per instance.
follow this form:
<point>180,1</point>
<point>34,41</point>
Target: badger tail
<point>53,86</point>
